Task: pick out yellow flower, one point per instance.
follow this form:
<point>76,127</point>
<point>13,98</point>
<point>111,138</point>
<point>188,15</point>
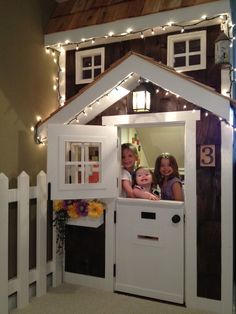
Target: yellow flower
<point>57,205</point>
<point>95,209</point>
<point>72,211</point>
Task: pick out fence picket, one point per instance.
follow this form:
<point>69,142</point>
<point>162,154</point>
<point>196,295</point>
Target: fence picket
<point>4,244</point>
<point>41,239</point>
<point>23,240</point>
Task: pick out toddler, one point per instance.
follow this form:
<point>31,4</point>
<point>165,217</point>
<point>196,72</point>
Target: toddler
<point>143,187</point>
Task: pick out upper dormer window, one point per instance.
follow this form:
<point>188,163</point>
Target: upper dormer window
<point>89,64</point>
<point>187,52</point>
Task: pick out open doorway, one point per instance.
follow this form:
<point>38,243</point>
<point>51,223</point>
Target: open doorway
<point>155,140</point>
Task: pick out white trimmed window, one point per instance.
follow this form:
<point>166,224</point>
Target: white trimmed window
<point>187,52</point>
<point>89,64</point>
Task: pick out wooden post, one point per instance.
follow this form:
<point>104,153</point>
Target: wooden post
<point>23,240</point>
<point>4,244</point>
<point>41,238</point>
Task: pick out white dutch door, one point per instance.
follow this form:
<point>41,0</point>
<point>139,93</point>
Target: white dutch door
<point>150,249</point>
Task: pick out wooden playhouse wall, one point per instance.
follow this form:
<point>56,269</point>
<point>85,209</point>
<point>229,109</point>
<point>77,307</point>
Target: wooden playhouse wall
<point>208,178</point>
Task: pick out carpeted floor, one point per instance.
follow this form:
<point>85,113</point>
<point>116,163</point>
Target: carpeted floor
<point>71,299</point>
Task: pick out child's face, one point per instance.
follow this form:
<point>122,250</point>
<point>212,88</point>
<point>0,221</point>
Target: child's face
<point>143,177</point>
<point>128,159</point>
<point>165,168</point>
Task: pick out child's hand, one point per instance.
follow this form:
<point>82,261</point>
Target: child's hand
<point>151,196</point>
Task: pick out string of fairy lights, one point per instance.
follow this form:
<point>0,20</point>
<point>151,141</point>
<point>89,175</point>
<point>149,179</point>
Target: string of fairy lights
<point>57,50</point>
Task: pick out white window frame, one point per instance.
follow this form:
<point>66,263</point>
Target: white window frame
<point>79,55</point>
<point>187,37</point>
<point>58,136</point>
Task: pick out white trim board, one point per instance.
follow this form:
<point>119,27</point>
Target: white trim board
<point>158,74</point>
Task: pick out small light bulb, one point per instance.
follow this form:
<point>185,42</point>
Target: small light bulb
<point>32,129</point>
<point>38,118</point>
<point>204,17</point>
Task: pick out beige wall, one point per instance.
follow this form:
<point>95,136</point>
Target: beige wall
<point>26,81</point>
<point>157,140</point>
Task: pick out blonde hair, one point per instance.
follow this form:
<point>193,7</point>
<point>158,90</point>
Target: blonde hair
<point>130,147</point>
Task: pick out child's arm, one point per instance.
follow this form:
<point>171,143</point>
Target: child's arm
<point>126,186</point>
<point>177,191</point>
<point>144,194</point>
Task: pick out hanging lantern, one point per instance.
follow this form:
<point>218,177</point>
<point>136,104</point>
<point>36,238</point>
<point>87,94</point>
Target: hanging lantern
<point>222,49</point>
<point>141,99</point>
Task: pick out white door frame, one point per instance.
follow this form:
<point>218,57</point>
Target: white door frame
<point>188,119</point>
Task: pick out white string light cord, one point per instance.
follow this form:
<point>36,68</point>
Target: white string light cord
<point>56,50</point>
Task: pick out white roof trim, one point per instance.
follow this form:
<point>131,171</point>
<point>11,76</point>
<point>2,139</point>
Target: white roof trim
<point>147,21</point>
<point>159,75</point>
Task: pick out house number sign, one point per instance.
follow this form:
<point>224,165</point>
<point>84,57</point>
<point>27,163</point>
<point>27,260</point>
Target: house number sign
<point>207,155</point>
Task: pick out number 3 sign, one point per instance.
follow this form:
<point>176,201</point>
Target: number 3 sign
<point>207,155</point>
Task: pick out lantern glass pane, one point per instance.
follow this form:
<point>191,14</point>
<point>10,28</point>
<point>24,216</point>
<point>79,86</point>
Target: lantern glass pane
<point>141,101</point>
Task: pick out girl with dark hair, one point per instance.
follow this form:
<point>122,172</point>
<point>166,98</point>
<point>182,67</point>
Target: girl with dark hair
<point>167,176</point>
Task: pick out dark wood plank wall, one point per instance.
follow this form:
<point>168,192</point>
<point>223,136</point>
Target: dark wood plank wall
<point>208,132</point>
<point>154,47</point>
<point>209,211</point>
<point>79,13</point>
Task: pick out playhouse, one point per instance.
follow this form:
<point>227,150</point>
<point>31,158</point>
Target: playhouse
<point>179,252</point>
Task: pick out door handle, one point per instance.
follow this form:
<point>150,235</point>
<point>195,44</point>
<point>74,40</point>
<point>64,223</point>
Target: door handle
<point>175,219</point>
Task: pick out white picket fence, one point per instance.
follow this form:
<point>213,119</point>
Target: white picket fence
<point>20,284</point>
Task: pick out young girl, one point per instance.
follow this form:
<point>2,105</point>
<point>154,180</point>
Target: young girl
<point>143,187</point>
<point>129,155</point>
<point>167,176</point>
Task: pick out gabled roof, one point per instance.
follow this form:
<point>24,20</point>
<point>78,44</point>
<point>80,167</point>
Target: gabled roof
<point>73,14</point>
<point>119,75</point>
<point>80,22</point>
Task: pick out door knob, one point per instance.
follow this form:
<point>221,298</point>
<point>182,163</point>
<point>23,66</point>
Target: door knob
<point>175,219</point>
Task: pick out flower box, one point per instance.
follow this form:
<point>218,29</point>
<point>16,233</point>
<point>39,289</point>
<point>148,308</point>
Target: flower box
<point>86,221</point>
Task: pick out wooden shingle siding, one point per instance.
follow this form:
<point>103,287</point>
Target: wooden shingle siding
<point>74,14</point>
